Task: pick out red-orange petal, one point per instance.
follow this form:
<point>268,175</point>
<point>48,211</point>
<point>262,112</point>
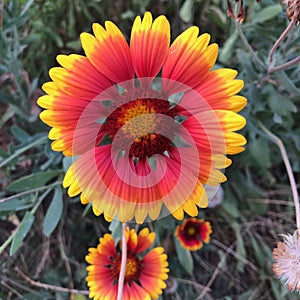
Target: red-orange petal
<point>149,44</point>
<point>78,78</point>
<point>116,188</point>
<point>190,60</point>
<point>145,240</point>
<point>109,52</point>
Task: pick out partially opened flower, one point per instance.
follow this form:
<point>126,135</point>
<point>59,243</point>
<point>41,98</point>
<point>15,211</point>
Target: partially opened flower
<point>150,123</point>
<point>286,265</point>
<point>193,233</point>
<point>145,274</point>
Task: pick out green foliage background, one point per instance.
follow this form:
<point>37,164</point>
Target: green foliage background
<point>45,235</point>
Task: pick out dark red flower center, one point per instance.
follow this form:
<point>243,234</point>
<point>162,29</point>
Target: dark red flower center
<point>192,231</point>
<point>144,126</point>
<point>133,268</point>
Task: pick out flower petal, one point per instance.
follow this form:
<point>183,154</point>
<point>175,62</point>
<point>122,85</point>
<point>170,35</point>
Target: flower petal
<point>115,187</point>
<point>145,240</point>
<point>190,60</point>
<point>78,77</point>
<point>149,44</point>
<point>109,52</point>
<point>218,91</point>
<point>154,272</point>
<point>70,108</point>
<point>132,240</point>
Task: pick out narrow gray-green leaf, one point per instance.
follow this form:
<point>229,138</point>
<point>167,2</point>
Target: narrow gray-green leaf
<point>268,13</point>
<point>20,134</point>
<point>185,257</point>
<point>26,7</point>
<point>230,209</point>
<point>227,51</point>
<point>287,83</point>
<point>186,11</point>
<point>67,162</point>
<point>32,181</point>
<point>16,204</point>
<point>54,212</point>
<point>115,227</point>
<point>259,149</point>
<point>21,233</point>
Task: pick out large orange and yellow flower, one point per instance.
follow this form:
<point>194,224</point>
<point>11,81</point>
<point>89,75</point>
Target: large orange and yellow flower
<point>144,277</point>
<point>149,123</point>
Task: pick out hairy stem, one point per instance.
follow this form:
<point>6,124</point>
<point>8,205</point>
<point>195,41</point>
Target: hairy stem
<point>280,39</point>
<point>285,65</point>
<point>123,263</point>
<point>276,140</point>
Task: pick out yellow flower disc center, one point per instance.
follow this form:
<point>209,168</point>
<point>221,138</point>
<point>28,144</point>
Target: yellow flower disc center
<point>138,118</point>
<point>131,267</point>
<point>191,231</point>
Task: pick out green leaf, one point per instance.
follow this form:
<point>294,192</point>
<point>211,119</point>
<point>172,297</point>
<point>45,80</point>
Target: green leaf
<point>74,45</point>
<point>281,105</point>
<point>152,163</point>
<point>115,227</point>
<point>230,209</point>
<point>54,212</point>
<point>185,257</point>
<point>241,250</point>
<point>26,7</point>
<point>217,16</point>
<point>15,205</point>
<point>259,149</point>
<point>166,222</point>
<point>20,134</point>
<point>79,297</point>
<point>268,13</point>
<point>259,255</point>
<point>287,83</point>
<point>21,232</point>
<point>67,162</point>
<point>227,51</point>
<point>186,11</point>
<point>248,295</point>
<point>275,289</point>
<point>32,181</point>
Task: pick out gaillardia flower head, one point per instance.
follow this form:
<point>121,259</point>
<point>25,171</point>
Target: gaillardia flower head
<point>144,277</point>
<point>286,265</point>
<point>149,123</point>
<point>193,233</point>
